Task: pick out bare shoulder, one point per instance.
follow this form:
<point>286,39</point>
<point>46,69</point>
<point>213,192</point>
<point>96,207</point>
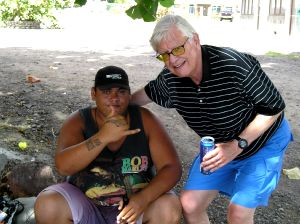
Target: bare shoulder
<point>73,118</point>
<point>147,115</point>
<point>151,122</point>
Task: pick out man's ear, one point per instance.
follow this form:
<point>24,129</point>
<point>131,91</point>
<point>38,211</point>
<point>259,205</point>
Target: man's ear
<point>93,93</point>
<point>196,39</point>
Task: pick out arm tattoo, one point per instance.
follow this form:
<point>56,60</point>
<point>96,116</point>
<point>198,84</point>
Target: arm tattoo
<point>118,122</point>
<point>92,144</point>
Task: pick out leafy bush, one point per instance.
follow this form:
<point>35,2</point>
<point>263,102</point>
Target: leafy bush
<point>30,10</point>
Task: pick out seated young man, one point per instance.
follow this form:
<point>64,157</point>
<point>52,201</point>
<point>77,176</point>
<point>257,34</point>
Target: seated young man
<point>109,151</point>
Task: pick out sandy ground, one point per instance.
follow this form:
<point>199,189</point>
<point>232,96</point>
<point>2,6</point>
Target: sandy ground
<point>66,61</point>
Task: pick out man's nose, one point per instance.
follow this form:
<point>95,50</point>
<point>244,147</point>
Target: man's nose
<point>172,58</point>
<point>114,95</point>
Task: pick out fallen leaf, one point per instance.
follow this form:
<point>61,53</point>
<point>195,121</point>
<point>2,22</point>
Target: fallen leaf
<point>293,173</point>
<point>53,67</point>
<point>32,79</point>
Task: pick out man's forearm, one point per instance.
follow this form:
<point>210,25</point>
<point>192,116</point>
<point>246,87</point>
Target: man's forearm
<point>258,126</point>
<point>77,157</point>
<point>164,181</point>
<point>140,98</point>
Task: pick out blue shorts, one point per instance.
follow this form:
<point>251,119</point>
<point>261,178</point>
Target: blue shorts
<point>247,182</point>
<point>83,210</point>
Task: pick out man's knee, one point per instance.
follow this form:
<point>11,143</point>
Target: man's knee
<point>196,201</point>
<point>188,202</point>
<point>173,209</point>
<point>191,203</point>
<point>50,205</point>
<point>166,210</point>
<point>239,214</point>
<point>44,205</point>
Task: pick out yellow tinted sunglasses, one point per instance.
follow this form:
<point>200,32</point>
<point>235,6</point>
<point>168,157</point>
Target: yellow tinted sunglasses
<point>176,52</point>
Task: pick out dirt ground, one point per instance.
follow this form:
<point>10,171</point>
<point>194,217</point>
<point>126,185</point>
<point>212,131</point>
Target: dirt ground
<point>35,112</point>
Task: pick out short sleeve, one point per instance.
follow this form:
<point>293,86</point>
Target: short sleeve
<point>158,90</point>
<point>262,92</point>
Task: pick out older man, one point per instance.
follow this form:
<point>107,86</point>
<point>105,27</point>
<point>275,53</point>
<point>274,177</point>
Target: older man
<point>222,93</point>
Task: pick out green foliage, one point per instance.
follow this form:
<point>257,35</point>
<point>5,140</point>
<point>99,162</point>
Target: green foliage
<point>147,9</point>
<point>144,9</point>
<point>166,3</point>
<point>80,2</point>
<point>29,10</point>
<point>116,1</point>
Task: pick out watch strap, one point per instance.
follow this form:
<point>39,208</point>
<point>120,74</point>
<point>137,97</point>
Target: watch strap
<point>242,143</point>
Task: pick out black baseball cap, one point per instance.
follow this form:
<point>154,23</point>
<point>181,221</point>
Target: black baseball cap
<point>111,76</point>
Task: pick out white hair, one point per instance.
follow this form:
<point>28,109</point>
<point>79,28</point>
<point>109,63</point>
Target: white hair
<point>165,24</point>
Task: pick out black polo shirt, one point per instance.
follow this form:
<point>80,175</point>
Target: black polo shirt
<point>234,89</point>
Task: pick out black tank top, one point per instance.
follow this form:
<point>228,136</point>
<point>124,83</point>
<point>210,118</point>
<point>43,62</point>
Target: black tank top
<point>112,175</point>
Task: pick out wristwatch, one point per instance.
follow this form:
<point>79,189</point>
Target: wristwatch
<point>242,143</point>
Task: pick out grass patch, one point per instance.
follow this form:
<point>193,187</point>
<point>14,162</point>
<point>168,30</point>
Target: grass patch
<point>21,128</point>
<point>277,54</point>
<point>274,54</point>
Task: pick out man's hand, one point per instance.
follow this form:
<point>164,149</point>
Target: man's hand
<point>131,212</point>
<point>220,156</point>
<point>114,128</point>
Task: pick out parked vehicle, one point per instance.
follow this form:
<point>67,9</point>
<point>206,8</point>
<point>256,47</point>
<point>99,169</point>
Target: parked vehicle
<point>226,14</point>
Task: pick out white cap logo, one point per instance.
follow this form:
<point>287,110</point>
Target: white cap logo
<point>114,76</point>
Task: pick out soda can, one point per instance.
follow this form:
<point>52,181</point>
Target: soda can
<point>2,216</point>
<point>207,144</point>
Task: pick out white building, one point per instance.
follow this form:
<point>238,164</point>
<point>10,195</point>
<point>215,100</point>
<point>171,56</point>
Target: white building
<point>280,17</point>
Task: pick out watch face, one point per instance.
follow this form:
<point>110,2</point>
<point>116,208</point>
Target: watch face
<point>243,143</point>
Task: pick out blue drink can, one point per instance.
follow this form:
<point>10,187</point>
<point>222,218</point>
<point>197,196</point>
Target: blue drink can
<point>207,144</point>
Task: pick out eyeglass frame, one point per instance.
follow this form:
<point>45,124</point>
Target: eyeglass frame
<point>160,56</point>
